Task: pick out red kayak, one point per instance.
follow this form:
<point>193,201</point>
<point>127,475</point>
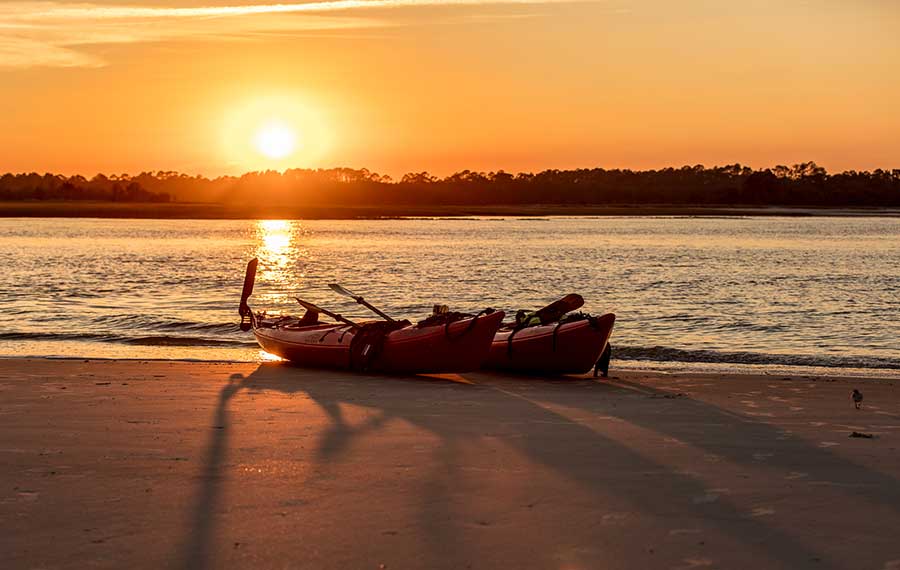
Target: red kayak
<point>450,342</point>
<point>457,346</point>
<point>555,348</point>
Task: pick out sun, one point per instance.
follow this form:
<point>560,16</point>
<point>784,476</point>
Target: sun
<point>290,129</point>
<point>275,140</point>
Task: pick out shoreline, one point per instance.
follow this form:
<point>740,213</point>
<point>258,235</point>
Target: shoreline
<point>203,211</point>
<point>201,465</point>
<point>626,366</point>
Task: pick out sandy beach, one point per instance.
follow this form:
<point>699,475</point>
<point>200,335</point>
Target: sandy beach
<point>128,464</point>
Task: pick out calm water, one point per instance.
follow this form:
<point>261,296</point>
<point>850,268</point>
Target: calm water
<point>732,292</point>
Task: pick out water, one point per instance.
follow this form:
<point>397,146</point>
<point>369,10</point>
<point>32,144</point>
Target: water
<point>777,293</point>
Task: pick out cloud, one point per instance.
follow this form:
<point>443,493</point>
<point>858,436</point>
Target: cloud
<point>55,34</point>
<point>23,52</point>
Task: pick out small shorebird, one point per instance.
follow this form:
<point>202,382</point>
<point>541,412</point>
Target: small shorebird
<point>857,398</point>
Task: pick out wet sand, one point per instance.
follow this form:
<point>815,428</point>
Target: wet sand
<point>108,464</point>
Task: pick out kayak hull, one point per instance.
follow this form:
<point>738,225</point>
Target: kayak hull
<point>462,346</point>
<point>570,348</point>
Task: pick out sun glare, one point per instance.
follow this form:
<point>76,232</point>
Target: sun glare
<point>275,132</point>
<point>275,140</point>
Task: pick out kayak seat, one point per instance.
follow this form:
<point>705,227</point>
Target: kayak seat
<point>309,318</point>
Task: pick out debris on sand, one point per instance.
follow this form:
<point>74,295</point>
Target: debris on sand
<point>861,434</point>
<point>669,395</point>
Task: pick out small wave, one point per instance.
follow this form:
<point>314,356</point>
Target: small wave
<point>55,336</point>
<point>748,326</point>
<point>145,322</point>
<point>183,341</point>
<point>666,354</point>
<point>147,340</point>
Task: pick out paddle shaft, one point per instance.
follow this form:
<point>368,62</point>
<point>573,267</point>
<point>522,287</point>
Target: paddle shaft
<point>358,298</point>
<point>310,307</point>
<point>378,312</point>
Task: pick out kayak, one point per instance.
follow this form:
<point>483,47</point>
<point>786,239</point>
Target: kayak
<point>556,348</point>
<point>445,342</point>
<point>457,346</point>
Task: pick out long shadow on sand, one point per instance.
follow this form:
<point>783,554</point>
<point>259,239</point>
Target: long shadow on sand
<point>201,541</point>
<point>466,413</point>
<point>790,454</point>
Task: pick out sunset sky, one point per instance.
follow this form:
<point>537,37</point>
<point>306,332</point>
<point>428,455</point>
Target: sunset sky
<point>225,86</point>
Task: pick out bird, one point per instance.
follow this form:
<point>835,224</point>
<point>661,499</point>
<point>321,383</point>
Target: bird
<point>857,398</point>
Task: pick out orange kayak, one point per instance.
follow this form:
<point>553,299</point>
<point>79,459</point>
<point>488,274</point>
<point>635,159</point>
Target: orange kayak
<point>555,348</point>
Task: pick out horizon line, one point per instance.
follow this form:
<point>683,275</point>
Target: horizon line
<point>281,172</point>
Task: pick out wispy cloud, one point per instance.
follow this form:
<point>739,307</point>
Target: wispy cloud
<point>56,33</point>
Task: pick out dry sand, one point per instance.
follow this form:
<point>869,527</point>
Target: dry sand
<point>189,465</point>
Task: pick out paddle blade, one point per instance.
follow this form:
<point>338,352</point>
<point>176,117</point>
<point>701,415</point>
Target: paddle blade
<point>309,306</point>
<point>249,280</point>
<point>341,291</point>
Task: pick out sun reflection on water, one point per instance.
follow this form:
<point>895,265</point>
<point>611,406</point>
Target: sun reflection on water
<point>277,253</point>
<point>276,239</point>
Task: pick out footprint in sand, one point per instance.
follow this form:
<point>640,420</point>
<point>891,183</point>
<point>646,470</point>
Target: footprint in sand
<point>28,496</point>
<point>695,563</point>
<point>706,499</point>
<point>762,512</point>
<point>680,531</point>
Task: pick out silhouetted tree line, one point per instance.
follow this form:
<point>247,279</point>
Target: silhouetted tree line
<point>21,187</point>
<point>804,184</point>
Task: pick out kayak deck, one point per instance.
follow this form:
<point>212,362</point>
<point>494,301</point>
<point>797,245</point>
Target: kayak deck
<point>458,346</point>
<point>567,348</point>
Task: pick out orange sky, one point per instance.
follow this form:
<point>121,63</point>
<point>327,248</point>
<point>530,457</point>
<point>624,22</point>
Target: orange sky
<point>443,85</point>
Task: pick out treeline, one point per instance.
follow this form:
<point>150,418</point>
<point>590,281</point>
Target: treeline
<point>55,187</point>
<point>804,184</point>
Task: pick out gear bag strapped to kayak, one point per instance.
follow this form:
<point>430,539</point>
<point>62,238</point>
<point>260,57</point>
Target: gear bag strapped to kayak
<point>443,316</point>
<point>368,343</point>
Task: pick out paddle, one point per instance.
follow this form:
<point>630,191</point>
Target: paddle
<point>310,307</point>
<point>358,298</point>
<point>249,280</point>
